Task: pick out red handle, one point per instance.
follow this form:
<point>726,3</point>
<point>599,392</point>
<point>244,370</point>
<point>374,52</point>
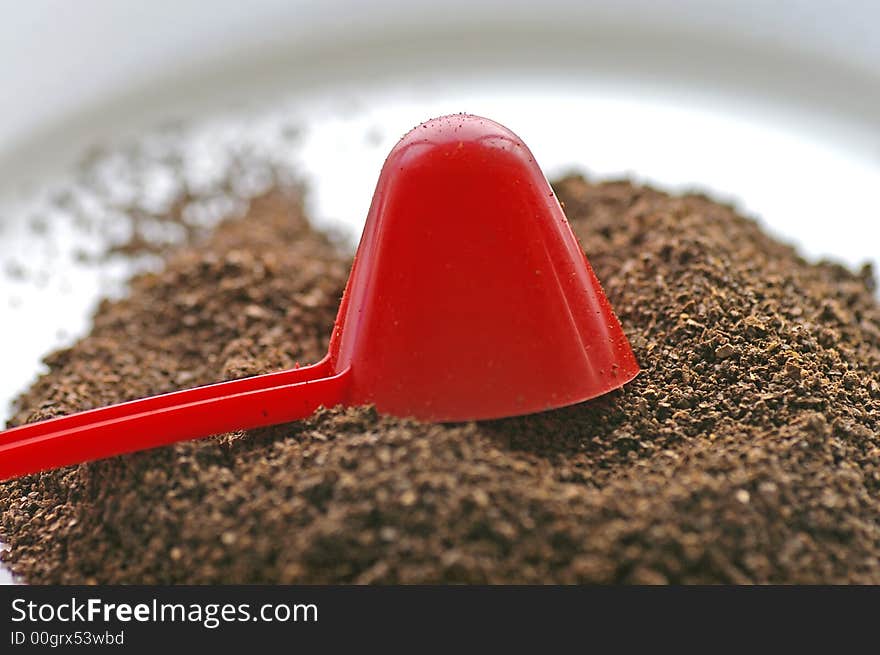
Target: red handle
<point>190,414</point>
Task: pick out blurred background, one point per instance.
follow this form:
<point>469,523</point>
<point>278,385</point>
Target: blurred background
<point>774,104</point>
<point>112,109</point>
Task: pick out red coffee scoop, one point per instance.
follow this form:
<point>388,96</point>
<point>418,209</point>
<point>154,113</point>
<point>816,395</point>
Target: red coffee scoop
<point>469,298</point>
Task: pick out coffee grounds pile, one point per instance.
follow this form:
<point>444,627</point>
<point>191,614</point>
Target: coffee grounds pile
<point>748,450</point>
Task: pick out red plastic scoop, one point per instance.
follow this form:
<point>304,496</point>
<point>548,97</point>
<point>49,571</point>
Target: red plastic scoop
<point>469,298</point>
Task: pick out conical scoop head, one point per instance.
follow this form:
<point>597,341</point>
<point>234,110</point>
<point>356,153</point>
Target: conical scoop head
<point>470,297</point>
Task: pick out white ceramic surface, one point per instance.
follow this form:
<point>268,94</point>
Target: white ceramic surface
<point>775,105</point>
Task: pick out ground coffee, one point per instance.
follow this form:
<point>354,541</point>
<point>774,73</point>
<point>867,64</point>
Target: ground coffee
<point>748,450</point>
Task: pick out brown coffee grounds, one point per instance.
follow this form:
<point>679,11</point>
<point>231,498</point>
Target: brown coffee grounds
<point>748,450</point>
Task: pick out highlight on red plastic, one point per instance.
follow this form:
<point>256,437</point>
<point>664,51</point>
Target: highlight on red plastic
<point>469,298</point>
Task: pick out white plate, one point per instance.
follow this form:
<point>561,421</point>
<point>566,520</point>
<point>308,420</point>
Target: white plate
<point>773,105</point>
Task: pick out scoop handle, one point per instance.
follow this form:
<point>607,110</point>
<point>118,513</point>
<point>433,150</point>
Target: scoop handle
<point>178,416</point>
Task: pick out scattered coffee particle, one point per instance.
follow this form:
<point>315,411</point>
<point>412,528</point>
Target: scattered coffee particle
<point>15,270</point>
<point>793,371</point>
<point>725,351</point>
<point>748,450</point>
